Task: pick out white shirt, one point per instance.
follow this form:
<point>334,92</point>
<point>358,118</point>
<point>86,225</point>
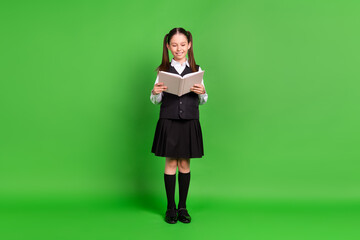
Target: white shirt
<point>156,99</point>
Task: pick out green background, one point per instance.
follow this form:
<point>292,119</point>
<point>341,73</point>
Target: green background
<point>281,125</point>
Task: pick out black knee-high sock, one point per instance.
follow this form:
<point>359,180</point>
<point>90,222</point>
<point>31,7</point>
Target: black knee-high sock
<point>170,181</point>
<point>184,181</point>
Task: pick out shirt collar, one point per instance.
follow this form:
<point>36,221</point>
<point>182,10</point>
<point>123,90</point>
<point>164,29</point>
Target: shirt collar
<point>175,63</point>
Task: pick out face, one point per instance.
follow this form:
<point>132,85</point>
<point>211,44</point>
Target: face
<point>179,47</point>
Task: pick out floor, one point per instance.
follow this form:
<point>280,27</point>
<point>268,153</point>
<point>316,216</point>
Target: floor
<point>142,218</point>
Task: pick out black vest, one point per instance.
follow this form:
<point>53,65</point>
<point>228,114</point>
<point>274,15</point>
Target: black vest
<point>184,107</point>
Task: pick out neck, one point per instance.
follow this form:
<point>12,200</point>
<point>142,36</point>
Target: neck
<point>181,61</point>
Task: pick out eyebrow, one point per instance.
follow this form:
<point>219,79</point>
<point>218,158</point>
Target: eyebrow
<point>176,43</point>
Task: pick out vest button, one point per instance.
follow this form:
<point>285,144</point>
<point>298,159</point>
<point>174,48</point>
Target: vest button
<point>181,111</point>
<point>180,102</point>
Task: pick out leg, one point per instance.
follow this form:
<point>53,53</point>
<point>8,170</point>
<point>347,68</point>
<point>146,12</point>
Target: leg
<point>184,165</point>
<point>170,180</point>
<point>184,182</point>
<point>170,165</point>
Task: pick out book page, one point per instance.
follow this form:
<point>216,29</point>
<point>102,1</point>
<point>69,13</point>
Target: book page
<point>171,80</point>
<point>190,80</point>
<point>180,85</point>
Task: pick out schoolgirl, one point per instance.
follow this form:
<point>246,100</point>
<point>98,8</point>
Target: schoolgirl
<point>178,135</point>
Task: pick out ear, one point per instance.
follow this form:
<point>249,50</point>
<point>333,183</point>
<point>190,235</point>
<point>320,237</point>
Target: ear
<point>168,47</point>
<point>189,45</point>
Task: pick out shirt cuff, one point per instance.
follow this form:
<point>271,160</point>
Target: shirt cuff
<point>155,99</point>
<point>203,98</point>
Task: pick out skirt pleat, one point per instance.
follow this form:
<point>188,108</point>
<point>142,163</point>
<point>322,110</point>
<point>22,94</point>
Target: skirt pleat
<point>178,138</point>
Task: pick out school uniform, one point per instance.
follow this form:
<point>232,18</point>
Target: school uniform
<point>178,132</point>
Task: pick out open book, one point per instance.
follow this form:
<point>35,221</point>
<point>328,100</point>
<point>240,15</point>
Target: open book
<point>179,85</point>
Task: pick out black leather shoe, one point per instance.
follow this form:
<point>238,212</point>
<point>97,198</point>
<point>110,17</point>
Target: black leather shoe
<point>170,216</point>
<point>183,215</point>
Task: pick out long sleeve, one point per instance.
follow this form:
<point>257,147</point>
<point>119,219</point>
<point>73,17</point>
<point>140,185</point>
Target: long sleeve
<point>202,97</point>
<point>156,99</point>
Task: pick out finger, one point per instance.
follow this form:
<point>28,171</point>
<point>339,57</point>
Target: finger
<point>160,84</point>
<point>196,91</point>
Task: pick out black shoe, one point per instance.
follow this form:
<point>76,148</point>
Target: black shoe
<point>183,215</point>
<point>170,216</point>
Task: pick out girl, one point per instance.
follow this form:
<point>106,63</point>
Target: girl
<point>178,134</point>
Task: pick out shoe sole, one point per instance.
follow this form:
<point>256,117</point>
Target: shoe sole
<point>184,221</point>
<point>171,222</point>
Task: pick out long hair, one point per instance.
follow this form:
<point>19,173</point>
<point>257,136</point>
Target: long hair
<point>165,64</point>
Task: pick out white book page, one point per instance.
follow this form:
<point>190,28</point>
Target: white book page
<point>190,80</point>
<point>180,85</point>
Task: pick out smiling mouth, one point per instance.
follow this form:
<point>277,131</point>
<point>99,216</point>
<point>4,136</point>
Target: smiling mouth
<point>179,53</point>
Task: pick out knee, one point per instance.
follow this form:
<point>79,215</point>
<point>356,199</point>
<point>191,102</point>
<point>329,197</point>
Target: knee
<point>184,165</point>
<point>171,164</point>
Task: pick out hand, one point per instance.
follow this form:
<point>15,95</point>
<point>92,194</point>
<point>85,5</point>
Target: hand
<point>198,88</point>
<point>158,88</point>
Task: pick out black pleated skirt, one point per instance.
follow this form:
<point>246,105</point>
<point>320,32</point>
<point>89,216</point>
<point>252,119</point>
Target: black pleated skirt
<point>178,138</point>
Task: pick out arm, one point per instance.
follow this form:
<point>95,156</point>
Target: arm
<point>156,98</point>
<point>202,97</point>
